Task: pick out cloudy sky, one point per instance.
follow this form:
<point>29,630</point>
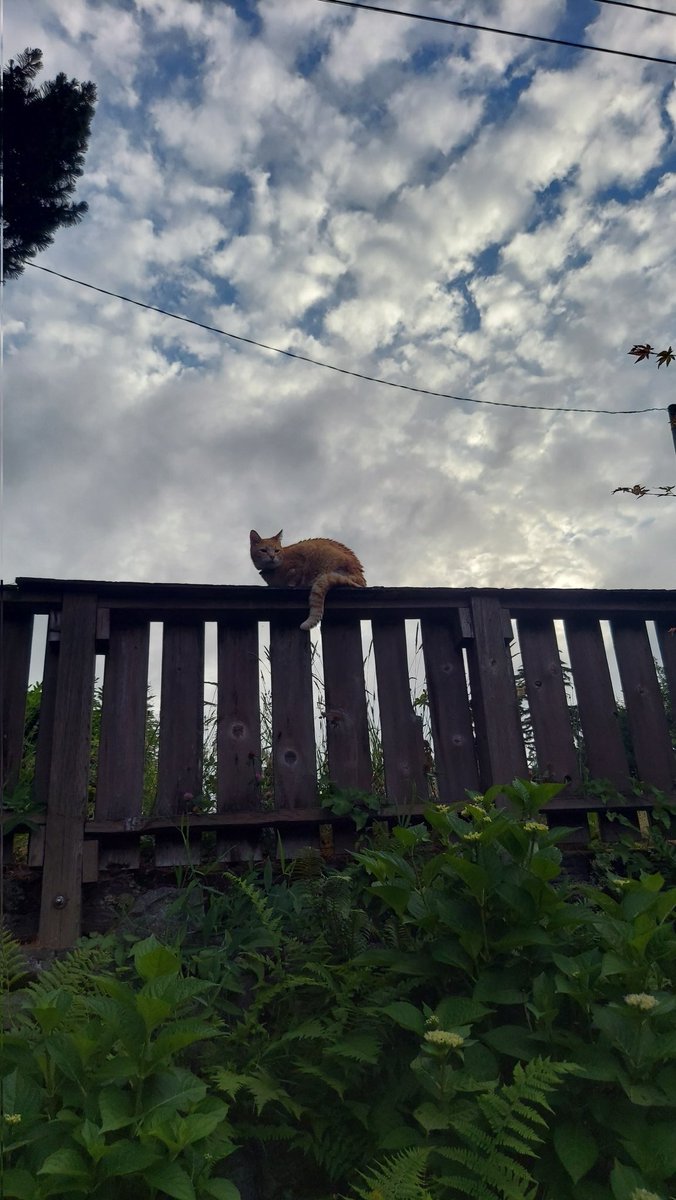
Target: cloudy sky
<point>453,210</point>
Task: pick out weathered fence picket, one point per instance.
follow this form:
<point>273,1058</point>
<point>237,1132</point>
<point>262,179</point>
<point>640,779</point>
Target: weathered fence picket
<point>69,773</point>
<point>547,700</point>
<point>455,758</point>
<point>346,715</point>
<point>471,726</point>
<point>121,760</point>
<point>606,754</point>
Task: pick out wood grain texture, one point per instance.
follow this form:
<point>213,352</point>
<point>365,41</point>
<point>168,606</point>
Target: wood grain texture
<point>648,729</point>
<point>347,733</point>
<point>666,637</point>
<point>557,758</point>
<point>238,735</point>
<point>400,727</point>
<point>604,750</point>
<point>455,755</point>
<point>181,748</point>
<point>502,756</point>
<point>61,900</point>
<point>119,788</point>
<point>15,657</point>
<point>293,731</point>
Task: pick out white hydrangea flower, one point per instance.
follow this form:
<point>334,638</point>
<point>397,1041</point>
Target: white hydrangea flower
<point>441,1037</point>
<point>641,1000</point>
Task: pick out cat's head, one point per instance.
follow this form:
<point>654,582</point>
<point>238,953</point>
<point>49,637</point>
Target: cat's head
<point>266,553</point>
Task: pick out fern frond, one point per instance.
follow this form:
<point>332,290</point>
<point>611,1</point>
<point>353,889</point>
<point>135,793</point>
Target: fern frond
<point>490,1159</point>
<point>269,919</point>
<point>77,971</point>
<point>401,1177</point>
<point>360,1047</point>
<point>468,1188</point>
<point>334,1150</point>
<point>514,1107</point>
<point>307,865</point>
<point>501,1175</point>
<point>262,1132</point>
<point>519,1122</point>
<point>14,966</point>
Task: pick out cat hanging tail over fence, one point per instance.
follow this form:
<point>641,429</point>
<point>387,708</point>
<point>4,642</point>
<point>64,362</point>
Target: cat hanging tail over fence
<point>317,563</point>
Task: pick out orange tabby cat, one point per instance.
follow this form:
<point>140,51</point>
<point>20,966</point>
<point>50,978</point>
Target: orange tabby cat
<point>317,563</point>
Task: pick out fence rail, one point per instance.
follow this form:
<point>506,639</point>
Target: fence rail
<point>499,702</point>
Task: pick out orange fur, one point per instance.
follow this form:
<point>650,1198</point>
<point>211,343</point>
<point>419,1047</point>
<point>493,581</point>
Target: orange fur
<point>317,563</point>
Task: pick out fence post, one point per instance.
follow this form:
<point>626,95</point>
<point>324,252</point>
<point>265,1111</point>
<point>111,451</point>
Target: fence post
<point>61,901</point>
<point>500,747</point>
<point>15,656</point>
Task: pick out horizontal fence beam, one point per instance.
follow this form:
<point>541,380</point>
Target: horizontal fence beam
<point>156,601</point>
<point>570,802</point>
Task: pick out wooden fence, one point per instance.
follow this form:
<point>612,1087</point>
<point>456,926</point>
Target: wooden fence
<point>471,640</point>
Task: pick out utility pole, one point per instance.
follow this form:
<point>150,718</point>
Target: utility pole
<point>672,421</point>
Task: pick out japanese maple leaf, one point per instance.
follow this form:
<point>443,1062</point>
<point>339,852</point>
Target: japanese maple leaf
<point>640,352</point>
<point>665,357</point>
<point>637,490</point>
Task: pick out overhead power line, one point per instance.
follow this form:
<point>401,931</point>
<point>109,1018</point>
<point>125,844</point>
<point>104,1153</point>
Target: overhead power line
<point>531,37</point>
<point>660,12</point>
<point>315,362</point>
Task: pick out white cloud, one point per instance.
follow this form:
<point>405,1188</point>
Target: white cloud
<point>466,213</point>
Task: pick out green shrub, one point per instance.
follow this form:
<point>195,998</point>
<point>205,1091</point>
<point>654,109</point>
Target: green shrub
<point>448,1017</point>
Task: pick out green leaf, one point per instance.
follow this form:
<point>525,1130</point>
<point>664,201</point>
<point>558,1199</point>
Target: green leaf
<point>173,1091</point>
<point>624,1181</point>
<point>544,867</point>
<point>178,1035</point>
<point>21,1094</point>
<point>399,1138</point>
<point>229,1081</point>
<point>264,1090</point>
<point>406,1015</point>
<point>637,902</point>
<point>89,1135</point>
<point>430,1116</point>
<point>481,1063</point>
<point>576,1148</point>
<point>460,1010</point>
<point>221,1189</point>
<point>513,1040</point>
<point>65,1162</point>
<point>126,1158</point>
<point>499,987</point>
<point>116,1108</point>
<point>612,964</point>
<point>451,953</point>
<point>153,960</point>
<point>153,1009</point>
<point>395,897</point>
<point>598,1063</point>
<point>408,836</point>
<point>361,1047</point>
<point>18,1184</point>
<point>644,1094</point>
<point>197,1126</point>
<point>172,1179</point>
<point>477,880</point>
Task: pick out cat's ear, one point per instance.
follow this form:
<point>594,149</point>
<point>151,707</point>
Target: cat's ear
<point>254,537</point>
<point>278,536</point>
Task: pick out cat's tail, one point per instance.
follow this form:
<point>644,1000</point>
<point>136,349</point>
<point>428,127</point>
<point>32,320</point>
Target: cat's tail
<point>318,592</point>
